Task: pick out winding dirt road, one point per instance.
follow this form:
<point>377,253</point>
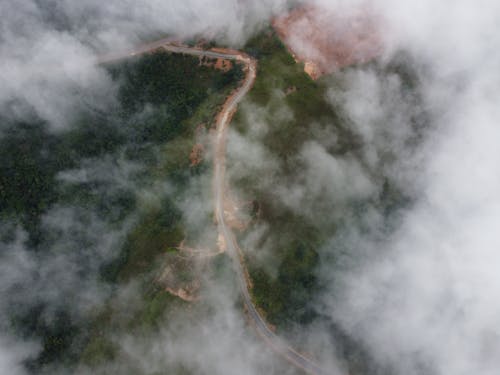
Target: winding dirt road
<point>222,124</point>
<point>223,121</point>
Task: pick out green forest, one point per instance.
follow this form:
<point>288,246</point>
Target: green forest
<point>287,295</point>
<point>161,99</point>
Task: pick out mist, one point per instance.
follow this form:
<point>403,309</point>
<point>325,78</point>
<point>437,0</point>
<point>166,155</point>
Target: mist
<point>49,49</point>
<point>418,290</point>
<point>423,298</point>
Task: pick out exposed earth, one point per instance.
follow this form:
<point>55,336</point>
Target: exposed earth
<point>325,41</point>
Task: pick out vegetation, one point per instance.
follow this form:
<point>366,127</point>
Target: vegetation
<point>282,83</point>
<point>286,296</point>
<point>140,317</point>
<point>297,111</point>
<point>160,228</point>
<point>162,98</point>
<point>158,231</point>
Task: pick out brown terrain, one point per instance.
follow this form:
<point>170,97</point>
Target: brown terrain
<point>326,41</point>
<point>237,212</point>
<point>196,155</point>
<point>220,64</point>
<point>180,275</point>
<point>198,151</point>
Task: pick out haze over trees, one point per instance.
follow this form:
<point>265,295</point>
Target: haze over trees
<point>365,200</point>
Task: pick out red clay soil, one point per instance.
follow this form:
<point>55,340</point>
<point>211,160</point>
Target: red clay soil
<point>196,155</point>
<point>220,64</point>
<point>224,65</point>
<point>326,41</point>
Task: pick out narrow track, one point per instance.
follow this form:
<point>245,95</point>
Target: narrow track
<point>222,124</point>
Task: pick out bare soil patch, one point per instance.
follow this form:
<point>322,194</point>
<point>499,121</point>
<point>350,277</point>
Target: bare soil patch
<point>219,64</point>
<point>196,155</point>
<point>326,41</point>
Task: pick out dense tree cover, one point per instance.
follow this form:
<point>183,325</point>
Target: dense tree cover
<point>27,171</point>
<point>296,240</point>
<point>162,97</point>
<point>179,86</point>
<point>157,94</point>
<point>298,237</point>
<point>285,297</point>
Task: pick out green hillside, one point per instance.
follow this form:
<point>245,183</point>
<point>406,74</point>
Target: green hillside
<point>109,165</point>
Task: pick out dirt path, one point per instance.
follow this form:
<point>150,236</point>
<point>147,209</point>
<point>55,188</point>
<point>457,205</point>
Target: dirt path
<point>219,185</point>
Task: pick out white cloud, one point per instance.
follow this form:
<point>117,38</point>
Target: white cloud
<point>424,298</point>
<point>49,49</point>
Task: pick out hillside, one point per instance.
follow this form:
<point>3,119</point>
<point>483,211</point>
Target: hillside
<point>116,175</point>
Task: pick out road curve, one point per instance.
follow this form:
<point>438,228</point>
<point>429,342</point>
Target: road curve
<point>222,124</point>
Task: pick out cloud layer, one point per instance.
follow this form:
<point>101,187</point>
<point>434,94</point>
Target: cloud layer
<point>423,298</point>
<point>49,49</point>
